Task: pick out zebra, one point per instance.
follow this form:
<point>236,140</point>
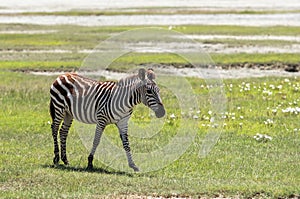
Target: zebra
<point>100,103</point>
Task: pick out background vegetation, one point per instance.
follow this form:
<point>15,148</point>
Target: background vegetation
<point>257,154</point>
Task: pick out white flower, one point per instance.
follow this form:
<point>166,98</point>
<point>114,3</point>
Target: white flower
<point>262,137</point>
<point>291,110</point>
<point>172,116</point>
<point>195,117</point>
<point>267,92</point>
<point>267,137</point>
<point>269,122</point>
<point>279,87</point>
<point>242,117</point>
<point>258,136</point>
<point>205,117</point>
<point>272,86</point>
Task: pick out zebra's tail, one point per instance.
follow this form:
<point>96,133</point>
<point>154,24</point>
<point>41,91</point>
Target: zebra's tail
<point>52,110</point>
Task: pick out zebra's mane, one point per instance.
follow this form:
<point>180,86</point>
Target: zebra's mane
<point>129,81</point>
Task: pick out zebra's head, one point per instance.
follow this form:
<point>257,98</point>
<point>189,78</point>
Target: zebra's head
<point>150,92</point>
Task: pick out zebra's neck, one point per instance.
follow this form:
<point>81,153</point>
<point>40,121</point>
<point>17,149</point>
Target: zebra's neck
<point>128,93</point>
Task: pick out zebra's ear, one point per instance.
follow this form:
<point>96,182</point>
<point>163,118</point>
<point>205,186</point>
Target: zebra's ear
<point>150,74</point>
<point>142,74</point>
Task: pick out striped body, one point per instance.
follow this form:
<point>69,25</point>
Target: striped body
<point>81,97</point>
<point>101,103</point>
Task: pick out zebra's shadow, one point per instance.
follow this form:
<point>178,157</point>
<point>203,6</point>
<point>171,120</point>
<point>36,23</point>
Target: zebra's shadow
<point>83,169</point>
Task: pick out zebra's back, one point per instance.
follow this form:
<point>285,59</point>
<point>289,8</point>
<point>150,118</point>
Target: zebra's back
<point>80,96</point>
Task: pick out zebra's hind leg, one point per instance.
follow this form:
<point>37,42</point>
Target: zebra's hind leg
<point>57,116</point>
<point>63,133</point>
<point>54,128</point>
<point>98,133</point>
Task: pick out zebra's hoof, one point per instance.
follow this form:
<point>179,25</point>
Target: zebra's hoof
<point>135,168</point>
<point>65,160</point>
<point>90,167</point>
<point>56,160</point>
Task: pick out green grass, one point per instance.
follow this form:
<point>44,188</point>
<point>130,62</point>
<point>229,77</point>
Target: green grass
<point>238,165</point>
<point>15,46</point>
<point>40,65</point>
<point>256,58</point>
<point>70,62</point>
<point>238,30</point>
<point>241,43</point>
<point>89,37</point>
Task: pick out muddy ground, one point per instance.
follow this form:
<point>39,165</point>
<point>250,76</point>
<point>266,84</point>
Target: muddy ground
<point>230,71</point>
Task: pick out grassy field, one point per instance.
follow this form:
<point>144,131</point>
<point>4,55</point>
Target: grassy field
<point>64,50</point>
<point>240,164</point>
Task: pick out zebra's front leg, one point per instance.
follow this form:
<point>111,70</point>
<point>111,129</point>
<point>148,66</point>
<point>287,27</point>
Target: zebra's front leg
<point>123,128</point>
<point>99,130</point>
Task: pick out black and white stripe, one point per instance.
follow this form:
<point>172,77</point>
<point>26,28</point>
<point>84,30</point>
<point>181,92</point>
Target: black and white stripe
<point>101,103</point>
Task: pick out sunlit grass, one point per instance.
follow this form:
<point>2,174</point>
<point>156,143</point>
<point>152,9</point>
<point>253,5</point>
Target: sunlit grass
<point>257,58</point>
<point>39,65</point>
<point>64,48</point>
<point>238,165</point>
<point>74,61</point>
<point>237,30</point>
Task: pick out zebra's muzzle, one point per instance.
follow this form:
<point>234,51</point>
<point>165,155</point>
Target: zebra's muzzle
<point>160,111</point>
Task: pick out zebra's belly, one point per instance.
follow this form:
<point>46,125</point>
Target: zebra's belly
<point>84,112</point>
<point>85,120</point>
